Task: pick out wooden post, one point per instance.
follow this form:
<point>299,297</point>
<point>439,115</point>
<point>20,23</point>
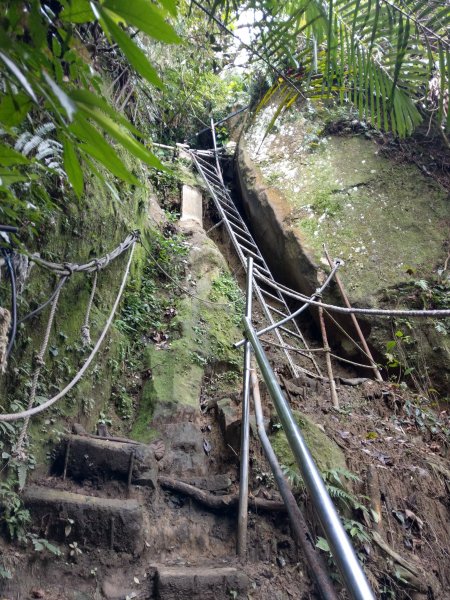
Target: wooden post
<point>362,339</point>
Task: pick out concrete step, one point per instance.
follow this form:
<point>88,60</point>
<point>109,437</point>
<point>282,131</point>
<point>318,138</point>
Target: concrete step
<point>89,520</point>
<point>207,583</point>
<point>100,459</point>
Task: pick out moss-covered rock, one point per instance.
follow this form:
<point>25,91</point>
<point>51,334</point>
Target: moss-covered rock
<point>78,232</point>
<point>326,453</point>
<point>203,332</point>
<point>302,188</point>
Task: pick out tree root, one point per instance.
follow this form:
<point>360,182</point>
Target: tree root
<point>408,572</point>
<point>229,501</point>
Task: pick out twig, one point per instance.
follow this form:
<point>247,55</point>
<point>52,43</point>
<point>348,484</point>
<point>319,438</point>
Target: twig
<point>373,491</point>
<point>411,570</point>
<point>354,320</point>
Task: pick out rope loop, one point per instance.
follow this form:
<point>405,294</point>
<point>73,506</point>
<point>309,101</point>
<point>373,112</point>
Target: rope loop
<point>69,268</point>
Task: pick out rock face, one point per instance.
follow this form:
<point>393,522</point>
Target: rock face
<point>389,222</point>
<point>325,452</point>
<point>203,333</point>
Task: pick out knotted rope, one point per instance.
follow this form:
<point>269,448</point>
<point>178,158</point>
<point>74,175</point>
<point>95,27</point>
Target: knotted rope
<point>85,328</point>
<point>39,363</point>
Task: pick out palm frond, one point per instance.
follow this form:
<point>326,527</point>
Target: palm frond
<point>379,55</point>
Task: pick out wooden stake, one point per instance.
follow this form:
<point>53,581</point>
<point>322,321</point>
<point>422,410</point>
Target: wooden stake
<point>358,329</point>
<point>326,347</point>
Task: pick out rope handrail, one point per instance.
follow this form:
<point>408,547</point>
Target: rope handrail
<point>41,307</point>
<point>96,264</point>
<point>37,409</point>
<point>391,312</point>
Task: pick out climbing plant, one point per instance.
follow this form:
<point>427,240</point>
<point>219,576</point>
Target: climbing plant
<point>49,75</point>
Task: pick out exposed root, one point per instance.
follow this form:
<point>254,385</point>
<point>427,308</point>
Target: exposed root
<point>229,501</point>
<point>405,570</point>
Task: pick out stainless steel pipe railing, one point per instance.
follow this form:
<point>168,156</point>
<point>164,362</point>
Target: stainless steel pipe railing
<point>245,427</point>
<point>353,575</point>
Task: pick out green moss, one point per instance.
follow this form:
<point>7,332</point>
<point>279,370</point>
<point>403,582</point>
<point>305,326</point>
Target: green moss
<point>326,454</point>
<point>384,219</point>
<point>78,233</point>
<point>201,334</point>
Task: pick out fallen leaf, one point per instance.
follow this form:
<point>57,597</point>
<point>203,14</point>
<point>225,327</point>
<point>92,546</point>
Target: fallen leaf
<point>206,447</point>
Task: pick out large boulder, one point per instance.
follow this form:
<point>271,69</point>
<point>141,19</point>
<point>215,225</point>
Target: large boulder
<point>302,187</point>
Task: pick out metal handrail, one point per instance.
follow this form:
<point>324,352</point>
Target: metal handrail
<point>245,427</point>
<point>353,575</point>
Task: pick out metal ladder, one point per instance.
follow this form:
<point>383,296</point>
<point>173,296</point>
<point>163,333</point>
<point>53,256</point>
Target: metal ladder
<point>272,302</point>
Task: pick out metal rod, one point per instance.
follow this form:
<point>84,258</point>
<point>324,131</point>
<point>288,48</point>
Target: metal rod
<point>221,121</point>
<point>245,427</point>
<point>214,226</point>
<point>9,228</point>
<point>300,530</point>
<point>219,170</point>
<point>295,314</point>
<point>344,555</point>
<point>358,329</point>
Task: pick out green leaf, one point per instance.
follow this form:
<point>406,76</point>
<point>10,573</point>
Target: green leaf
<point>19,75</point>
<point>124,138</point>
<point>22,470</point>
<point>13,109</point>
<point>91,100</point>
<point>38,546</point>
<point>144,15</point>
<point>8,177</point>
<point>136,57</point>
<point>322,544</point>
<point>72,167</point>
<point>65,101</point>
<point>9,156</point>
<point>95,146</point>
<point>171,6</point>
<point>77,11</point>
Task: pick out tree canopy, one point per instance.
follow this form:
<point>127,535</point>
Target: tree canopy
<point>390,58</point>
<point>70,70</point>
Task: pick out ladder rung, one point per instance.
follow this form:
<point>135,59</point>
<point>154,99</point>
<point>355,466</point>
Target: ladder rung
<point>249,242</point>
<point>230,209</point>
<point>247,251</point>
<point>266,293</point>
<point>282,314</point>
<point>292,333</point>
<point>231,216</point>
<point>223,197</point>
<point>244,231</point>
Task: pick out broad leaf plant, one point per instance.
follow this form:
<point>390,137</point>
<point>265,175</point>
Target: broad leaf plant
<point>47,72</point>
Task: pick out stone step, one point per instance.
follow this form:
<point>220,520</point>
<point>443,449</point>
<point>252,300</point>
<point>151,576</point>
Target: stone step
<point>100,459</point>
<point>89,520</point>
<point>207,583</point>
